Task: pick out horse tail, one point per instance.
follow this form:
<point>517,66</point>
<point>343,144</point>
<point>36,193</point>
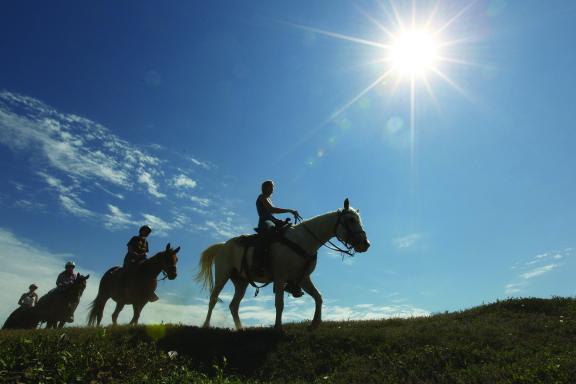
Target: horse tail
<point>204,275</point>
<point>97,306</point>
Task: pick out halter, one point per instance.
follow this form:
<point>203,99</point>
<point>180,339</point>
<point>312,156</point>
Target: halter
<point>333,247</point>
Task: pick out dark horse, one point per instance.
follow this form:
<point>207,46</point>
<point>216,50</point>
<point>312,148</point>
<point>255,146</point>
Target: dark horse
<point>55,308</point>
<point>134,287</point>
<point>21,318</point>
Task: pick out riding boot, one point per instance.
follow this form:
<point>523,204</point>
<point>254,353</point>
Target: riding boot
<point>260,256</point>
<point>294,289</point>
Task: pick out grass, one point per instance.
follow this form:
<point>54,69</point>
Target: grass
<point>513,341</point>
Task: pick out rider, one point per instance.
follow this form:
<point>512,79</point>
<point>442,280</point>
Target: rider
<point>137,251</point>
<point>30,298</point>
<point>66,277</point>
<point>268,225</point>
<point>137,247</point>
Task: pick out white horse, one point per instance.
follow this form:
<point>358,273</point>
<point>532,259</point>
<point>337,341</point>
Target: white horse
<point>287,262</point>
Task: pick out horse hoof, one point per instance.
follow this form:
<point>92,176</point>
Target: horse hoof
<point>313,326</point>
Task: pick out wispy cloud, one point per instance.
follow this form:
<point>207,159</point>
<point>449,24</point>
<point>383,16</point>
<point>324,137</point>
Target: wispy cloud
<point>79,158</point>
<point>116,218</point>
<point>539,271</point>
<point>537,266</point>
<point>183,181</point>
<point>151,185</point>
<point>407,241</point>
<point>67,196</point>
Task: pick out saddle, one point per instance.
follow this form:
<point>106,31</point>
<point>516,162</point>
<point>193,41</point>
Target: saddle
<point>261,243</point>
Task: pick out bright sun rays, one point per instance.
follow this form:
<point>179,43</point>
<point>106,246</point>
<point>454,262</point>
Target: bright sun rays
<point>414,49</point>
<point>414,52</point>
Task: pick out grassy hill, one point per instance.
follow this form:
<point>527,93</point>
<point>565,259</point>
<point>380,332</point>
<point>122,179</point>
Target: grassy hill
<point>514,341</point>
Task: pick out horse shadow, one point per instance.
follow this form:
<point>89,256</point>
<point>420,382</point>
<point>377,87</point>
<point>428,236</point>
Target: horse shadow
<point>240,352</point>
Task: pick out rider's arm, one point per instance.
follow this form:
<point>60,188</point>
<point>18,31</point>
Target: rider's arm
<point>35,299</point>
<point>274,209</point>
<point>21,298</point>
<point>60,280</point>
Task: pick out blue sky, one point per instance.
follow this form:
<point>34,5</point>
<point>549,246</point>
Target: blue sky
<point>114,115</point>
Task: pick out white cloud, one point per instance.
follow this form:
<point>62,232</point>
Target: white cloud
<point>514,288</point>
<point>183,181</point>
<point>407,241</point>
<point>539,271</point>
<point>73,145</point>
<point>116,218</point>
<point>151,185</point>
<point>67,197</point>
<point>158,225</point>
<point>529,270</point>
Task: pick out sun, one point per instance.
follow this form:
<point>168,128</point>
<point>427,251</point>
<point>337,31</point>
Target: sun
<point>414,52</point>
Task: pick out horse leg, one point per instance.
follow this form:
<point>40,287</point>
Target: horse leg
<point>137,309</point>
<point>239,290</point>
<point>117,310</point>
<point>221,280</point>
<point>310,289</point>
<point>60,325</point>
<point>279,291</point>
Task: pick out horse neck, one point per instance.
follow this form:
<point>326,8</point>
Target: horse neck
<point>311,234</point>
<point>153,265</point>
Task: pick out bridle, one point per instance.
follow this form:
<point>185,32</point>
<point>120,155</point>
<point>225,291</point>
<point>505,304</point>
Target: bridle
<point>164,273</point>
<point>334,247</point>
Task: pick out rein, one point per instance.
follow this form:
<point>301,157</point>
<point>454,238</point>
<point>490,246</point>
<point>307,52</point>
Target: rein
<point>333,247</point>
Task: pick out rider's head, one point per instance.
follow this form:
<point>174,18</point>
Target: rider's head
<point>33,287</point>
<point>268,187</point>
<point>70,266</point>
<point>145,230</point>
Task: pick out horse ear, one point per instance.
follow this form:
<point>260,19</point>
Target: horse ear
<point>86,277</point>
<point>176,250</point>
<point>167,246</point>
<point>346,204</point>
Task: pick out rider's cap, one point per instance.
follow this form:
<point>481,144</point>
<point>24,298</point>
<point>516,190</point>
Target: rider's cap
<point>145,227</point>
<point>71,264</point>
<point>32,286</point>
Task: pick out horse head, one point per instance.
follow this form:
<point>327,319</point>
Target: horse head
<point>80,282</point>
<point>169,260</point>
<point>349,228</point>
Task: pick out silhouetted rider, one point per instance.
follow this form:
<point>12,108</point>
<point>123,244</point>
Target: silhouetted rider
<point>30,298</point>
<point>137,252</point>
<point>268,225</point>
<point>266,220</point>
<point>137,247</point>
<point>67,276</point>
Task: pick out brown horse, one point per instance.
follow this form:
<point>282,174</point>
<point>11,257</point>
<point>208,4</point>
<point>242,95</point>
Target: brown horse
<point>55,308</point>
<point>133,287</point>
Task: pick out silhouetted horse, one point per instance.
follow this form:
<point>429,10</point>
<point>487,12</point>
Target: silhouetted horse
<point>55,308</point>
<point>21,318</point>
<point>132,287</point>
<point>292,260</point>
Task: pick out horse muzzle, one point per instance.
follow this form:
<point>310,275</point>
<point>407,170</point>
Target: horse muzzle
<point>363,246</point>
<point>171,274</point>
